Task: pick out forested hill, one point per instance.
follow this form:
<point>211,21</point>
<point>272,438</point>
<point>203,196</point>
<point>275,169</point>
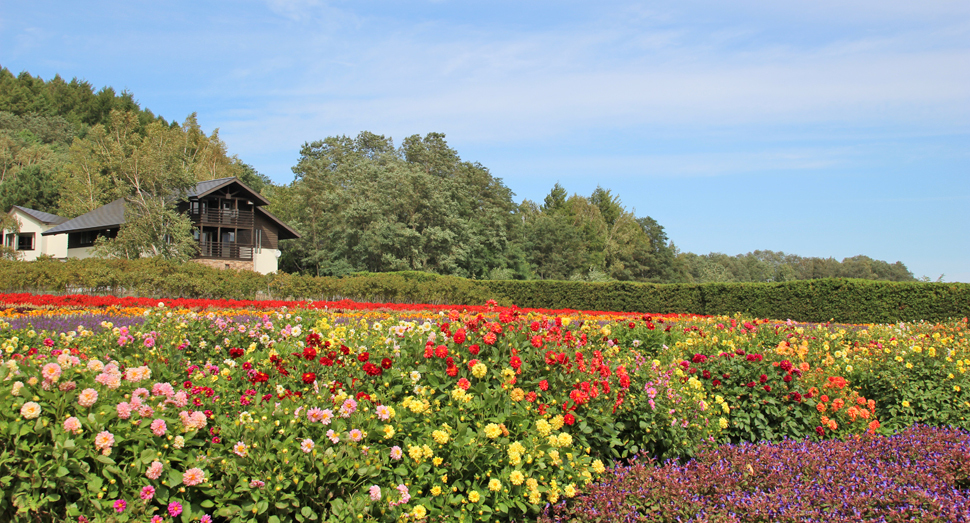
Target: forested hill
<point>360,204</point>
<point>62,144</point>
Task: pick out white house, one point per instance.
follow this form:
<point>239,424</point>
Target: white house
<point>30,241</point>
<point>232,228</point>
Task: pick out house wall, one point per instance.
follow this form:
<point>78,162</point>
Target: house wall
<point>80,252</point>
<point>270,238</point>
<point>55,246</point>
<point>266,261</point>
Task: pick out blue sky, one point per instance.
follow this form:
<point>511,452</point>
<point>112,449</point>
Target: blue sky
<point>824,128</point>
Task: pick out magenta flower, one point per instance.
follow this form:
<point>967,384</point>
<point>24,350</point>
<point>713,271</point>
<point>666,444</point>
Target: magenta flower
<point>174,508</point>
<point>147,493</point>
<point>120,505</point>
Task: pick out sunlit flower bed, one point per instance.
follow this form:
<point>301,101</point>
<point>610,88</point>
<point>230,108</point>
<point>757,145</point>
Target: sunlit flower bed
<point>921,474</point>
<point>327,412</point>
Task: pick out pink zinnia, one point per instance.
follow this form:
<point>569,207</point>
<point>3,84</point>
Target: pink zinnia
<point>147,493</point>
<point>306,445</point>
<point>349,407</point>
<point>72,425</point>
<point>124,410</point>
<point>163,389</point>
<point>157,519</point>
<point>193,477</point>
<point>375,493</point>
<point>356,435</point>
<point>314,415</point>
<point>120,505</point>
<point>174,508</point>
<point>158,427</point>
<point>87,397</point>
<point>103,442</point>
<point>51,371</point>
<point>154,470</point>
<point>181,399</point>
<point>383,412</point>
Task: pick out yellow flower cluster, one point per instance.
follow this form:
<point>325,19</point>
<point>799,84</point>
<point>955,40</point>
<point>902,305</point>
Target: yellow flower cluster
<point>598,467</point>
<point>492,431</point>
<point>416,406</point>
<point>479,370</point>
<point>440,437</point>
<point>543,427</point>
<point>418,454</point>
<point>563,440</point>
<point>516,449</point>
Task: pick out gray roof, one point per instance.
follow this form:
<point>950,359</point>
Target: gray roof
<point>43,217</point>
<point>104,217</point>
<point>205,188</point>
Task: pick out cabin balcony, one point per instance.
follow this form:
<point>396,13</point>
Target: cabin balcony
<point>227,250</point>
<point>226,217</point>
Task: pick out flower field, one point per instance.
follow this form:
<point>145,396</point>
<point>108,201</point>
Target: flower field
<point>194,410</point>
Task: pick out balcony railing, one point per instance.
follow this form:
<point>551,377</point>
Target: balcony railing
<point>231,217</point>
<point>234,251</point>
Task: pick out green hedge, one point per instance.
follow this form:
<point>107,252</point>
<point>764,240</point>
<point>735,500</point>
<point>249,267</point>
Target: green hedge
<point>839,300</point>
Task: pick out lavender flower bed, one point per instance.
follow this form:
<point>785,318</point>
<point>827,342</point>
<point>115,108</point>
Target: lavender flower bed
<point>921,474</point>
<point>68,322</point>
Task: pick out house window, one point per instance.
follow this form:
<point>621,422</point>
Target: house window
<point>259,240</point>
<point>20,242</point>
<point>76,240</point>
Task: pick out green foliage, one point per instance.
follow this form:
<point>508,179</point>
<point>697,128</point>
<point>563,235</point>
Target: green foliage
<point>922,379</point>
<point>362,205</point>
<point>770,266</point>
<point>75,101</point>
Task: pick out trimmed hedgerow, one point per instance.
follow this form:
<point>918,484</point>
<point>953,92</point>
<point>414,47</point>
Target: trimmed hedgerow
<point>838,300</point>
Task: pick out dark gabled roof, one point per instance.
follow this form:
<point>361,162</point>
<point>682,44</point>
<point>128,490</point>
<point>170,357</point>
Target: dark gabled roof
<point>286,232</point>
<point>207,187</point>
<point>43,217</point>
<point>104,217</point>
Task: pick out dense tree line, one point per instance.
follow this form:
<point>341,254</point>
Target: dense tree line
<point>360,204</point>
<point>364,205</point>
